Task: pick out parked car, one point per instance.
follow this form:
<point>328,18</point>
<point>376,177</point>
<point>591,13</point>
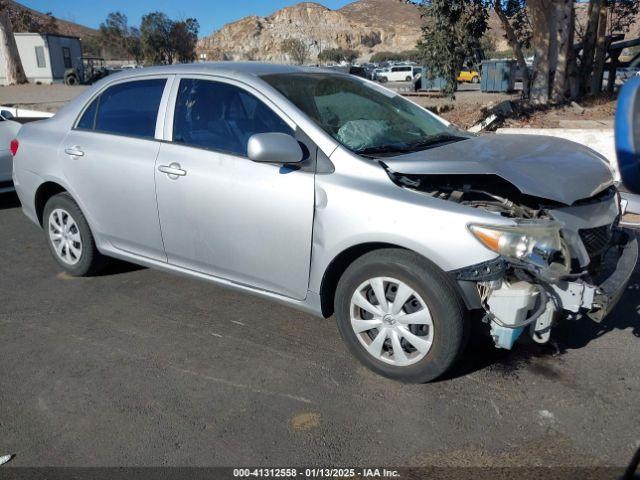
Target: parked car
<point>333,195</point>
<point>468,75</point>
<point>8,131</point>
<point>396,73</point>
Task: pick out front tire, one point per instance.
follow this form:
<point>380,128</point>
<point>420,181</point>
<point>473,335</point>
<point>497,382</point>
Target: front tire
<point>475,80</point>
<point>69,237</point>
<point>400,315</point>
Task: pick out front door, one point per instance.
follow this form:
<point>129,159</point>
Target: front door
<point>109,159</point>
<point>222,214</point>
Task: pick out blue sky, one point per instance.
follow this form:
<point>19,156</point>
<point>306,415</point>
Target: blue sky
<point>211,14</point>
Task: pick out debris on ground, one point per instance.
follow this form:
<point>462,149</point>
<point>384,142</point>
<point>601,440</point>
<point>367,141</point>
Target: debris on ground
<point>5,459</point>
<point>593,112</point>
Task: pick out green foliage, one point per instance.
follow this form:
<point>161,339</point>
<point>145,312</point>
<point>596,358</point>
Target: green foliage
<point>118,39</point>
<point>164,41</point>
<point>338,55</point>
<point>296,49</point>
<point>451,34</point>
<point>407,55</point>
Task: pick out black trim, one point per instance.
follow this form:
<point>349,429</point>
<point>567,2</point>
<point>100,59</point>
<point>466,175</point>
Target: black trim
<point>482,272</point>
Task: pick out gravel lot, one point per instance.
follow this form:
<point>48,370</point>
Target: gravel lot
<point>138,367</point>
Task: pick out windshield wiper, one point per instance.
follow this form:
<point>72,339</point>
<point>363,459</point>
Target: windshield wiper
<point>434,140</point>
<point>428,142</point>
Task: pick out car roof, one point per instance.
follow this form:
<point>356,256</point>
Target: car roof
<point>234,68</point>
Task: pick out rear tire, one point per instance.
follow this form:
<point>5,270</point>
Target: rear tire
<point>422,337</point>
<point>408,79</point>
<point>69,237</point>
<point>71,81</point>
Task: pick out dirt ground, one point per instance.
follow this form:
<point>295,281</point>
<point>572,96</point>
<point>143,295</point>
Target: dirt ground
<point>48,98</point>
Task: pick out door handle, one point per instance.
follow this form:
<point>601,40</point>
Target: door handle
<point>74,151</point>
<point>174,171</point>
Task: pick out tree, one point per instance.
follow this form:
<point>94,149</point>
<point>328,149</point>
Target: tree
<point>396,56</point>
<point>451,34</point>
<point>297,50</point>
<point>184,38</point>
<point>338,55</point>
<point>515,22</point>
<point>14,71</point>
<point>119,38</point>
<point>155,37</point>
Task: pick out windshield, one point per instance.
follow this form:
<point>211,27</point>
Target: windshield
<point>365,118</point>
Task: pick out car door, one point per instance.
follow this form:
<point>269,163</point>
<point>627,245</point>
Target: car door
<point>108,159</point>
<point>221,213</point>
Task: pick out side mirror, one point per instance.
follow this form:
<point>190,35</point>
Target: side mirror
<point>628,134</point>
<point>274,148</point>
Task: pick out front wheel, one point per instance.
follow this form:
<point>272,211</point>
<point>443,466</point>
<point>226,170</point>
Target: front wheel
<point>400,316</point>
<point>475,80</point>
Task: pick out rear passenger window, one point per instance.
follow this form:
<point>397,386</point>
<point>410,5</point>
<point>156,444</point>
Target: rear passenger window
<point>88,119</point>
<point>222,117</point>
<point>129,109</point>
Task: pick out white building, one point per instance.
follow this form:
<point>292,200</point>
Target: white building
<point>45,57</point>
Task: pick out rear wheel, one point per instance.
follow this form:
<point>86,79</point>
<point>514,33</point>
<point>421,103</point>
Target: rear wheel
<point>71,80</point>
<point>400,316</point>
<point>408,79</point>
<point>69,237</point>
<point>475,80</point>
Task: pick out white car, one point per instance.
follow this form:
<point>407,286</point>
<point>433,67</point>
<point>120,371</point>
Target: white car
<point>397,73</point>
<point>8,131</point>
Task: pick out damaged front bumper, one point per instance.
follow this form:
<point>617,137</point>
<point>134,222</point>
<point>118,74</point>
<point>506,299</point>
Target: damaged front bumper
<point>516,301</point>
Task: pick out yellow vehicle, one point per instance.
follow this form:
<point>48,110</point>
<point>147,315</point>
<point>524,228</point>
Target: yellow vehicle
<point>468,75</point>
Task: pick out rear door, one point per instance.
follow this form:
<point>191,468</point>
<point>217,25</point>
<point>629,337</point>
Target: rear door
<point>221,213</point>
<point>109,159</point>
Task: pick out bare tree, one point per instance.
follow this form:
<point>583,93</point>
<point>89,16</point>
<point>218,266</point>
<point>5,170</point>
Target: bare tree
<point>515,44</point>
<point>296,49</point>
<point>9,52</point>
<point>565,19</point>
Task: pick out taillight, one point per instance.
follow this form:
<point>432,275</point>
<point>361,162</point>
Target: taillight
<point>14,146</point>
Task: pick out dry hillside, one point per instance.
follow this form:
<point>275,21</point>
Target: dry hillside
<point>65,27</point>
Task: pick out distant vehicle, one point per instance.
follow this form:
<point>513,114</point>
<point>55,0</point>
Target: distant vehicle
<point>397,73</point>
<point>8,131</point>
<point>377,72</point>
<point>358,72</point>
<point>93,69</point>
<point>468,75</point>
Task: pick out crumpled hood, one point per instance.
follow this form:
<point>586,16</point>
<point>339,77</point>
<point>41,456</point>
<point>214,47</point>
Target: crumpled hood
<point>546,167</point>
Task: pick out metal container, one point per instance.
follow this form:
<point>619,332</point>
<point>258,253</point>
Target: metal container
<point>498,76</point>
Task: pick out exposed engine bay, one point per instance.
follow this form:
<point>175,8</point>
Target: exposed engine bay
<point>556,261</point>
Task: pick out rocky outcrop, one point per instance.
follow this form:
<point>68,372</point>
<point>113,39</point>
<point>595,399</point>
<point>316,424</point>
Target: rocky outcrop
<point>367,26</point>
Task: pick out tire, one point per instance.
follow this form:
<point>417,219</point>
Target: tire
<point>71,81</point>
<point>433,296</point>
<point>383,80</point>
<point>475,80</point>
<point>408,79</point>
<point>69,237</point>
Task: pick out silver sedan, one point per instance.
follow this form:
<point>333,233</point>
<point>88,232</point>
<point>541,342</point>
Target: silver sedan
<point>331,194</point>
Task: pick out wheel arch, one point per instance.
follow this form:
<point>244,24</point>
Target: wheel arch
<point>43,194</point>
<point>339,265</point>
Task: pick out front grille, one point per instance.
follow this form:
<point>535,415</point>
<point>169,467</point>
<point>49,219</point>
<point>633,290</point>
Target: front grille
<point>596,240</point>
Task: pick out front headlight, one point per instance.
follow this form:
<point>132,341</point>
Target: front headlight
<point>533,242</point>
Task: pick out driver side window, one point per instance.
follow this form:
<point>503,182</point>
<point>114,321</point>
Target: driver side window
<point>221,117</point>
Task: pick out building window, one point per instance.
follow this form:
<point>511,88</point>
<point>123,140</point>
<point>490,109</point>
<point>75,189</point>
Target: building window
<point>40,57</point>
<point>66,54</point>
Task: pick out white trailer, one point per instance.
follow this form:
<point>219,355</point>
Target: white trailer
<point>46,57</point>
